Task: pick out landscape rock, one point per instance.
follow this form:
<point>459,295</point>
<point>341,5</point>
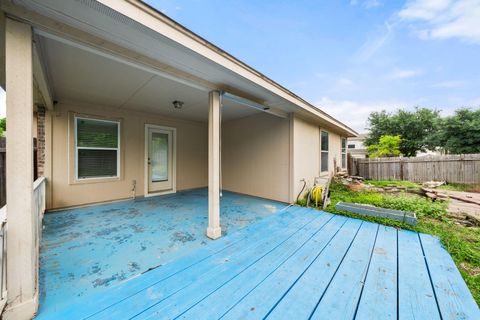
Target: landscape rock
<point>432,184</point>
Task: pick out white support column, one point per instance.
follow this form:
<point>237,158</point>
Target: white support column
<point>22,301</point>
<point>214,231</point>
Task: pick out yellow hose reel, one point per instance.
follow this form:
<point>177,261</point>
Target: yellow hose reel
<point>317,194</point>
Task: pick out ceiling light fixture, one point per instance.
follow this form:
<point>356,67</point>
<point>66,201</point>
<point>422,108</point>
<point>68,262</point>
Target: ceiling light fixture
<point>178,104</point>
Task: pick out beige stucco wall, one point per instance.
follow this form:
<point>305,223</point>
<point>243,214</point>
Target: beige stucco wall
<point>255,156</point>
<point>191,155</point>
<point>306,153</point>
<point>335,151</point>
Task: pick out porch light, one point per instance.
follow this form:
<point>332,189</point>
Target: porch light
<point>178,104</point>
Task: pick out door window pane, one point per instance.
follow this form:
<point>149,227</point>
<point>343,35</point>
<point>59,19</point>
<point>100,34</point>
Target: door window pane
<point>159,156</point>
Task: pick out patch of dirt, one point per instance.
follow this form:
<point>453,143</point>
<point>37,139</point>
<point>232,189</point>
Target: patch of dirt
<point>356,186</point>
<point>473,271</point>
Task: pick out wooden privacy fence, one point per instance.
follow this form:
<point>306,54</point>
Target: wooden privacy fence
<point>3,168</point>
<point>458,168</point>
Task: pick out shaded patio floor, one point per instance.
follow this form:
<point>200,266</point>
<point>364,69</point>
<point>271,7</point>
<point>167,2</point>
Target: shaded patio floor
<point>87,250</point>
<point>298,264</point>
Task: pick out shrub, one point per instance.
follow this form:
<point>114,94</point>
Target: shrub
<point>421,206</point>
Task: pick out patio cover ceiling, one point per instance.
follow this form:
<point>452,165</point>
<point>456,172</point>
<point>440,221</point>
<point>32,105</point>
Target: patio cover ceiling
<point>83,76</point>
<point>139,33</point>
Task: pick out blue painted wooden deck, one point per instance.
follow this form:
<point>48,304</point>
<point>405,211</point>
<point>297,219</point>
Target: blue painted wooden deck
<point>87,250</point>
<point>297,264</point>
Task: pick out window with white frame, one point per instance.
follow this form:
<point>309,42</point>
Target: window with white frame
<point>97,148</point>
<point>323,151</point>
<point>344,153</point>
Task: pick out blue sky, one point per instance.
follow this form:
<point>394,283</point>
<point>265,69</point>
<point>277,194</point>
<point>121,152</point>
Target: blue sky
<point>349,57</point>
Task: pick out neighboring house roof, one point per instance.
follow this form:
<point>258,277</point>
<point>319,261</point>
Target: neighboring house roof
<point>148,34</point>
<point>359,137</point>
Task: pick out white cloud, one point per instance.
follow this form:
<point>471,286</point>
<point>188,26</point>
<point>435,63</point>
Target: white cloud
<point>372,4</point>
<point>444,19</point>
<point>367,4</point>
<point>449,84</point>
<point>398,74</point>
<point>344,82</point>
<point>474,103</point>
<point>424,9</point>
<point>355,113</point>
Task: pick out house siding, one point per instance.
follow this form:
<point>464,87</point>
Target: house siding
<point>255,156</point>
<point>306,153</point>
<point>191,156</point>
<point>262,155</point>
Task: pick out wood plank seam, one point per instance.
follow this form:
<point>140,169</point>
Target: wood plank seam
<point>398,282</point>
<point>293,253</point>
<point>296,280</point>
<point>248,266</point>
<point>336,270</point>
<point>246,236</point>
<point>366,274</point>
<point>430,276</point>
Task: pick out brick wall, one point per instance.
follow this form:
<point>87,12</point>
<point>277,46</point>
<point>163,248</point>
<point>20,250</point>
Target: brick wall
<point>40,140</point>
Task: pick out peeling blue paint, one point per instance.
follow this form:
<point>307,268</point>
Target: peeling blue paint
<point>86,250</point>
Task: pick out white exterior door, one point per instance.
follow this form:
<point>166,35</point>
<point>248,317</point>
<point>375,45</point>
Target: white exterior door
<point>160,159</point>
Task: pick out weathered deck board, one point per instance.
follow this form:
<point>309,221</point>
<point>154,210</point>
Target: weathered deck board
<point>268,256</point>
<point>454,299</point>
<point>298,264</point>
<point>296,295</point>
<point>415,292</point>
<point>244,284</point>
<point>379,296</point>
<point>141,292</point>
<point>89,250</point>
<point>343,293</point>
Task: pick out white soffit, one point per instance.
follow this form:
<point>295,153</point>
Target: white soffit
<point>79,75</point>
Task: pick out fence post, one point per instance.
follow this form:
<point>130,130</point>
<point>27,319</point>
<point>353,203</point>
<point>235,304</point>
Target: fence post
<point>401,169</point>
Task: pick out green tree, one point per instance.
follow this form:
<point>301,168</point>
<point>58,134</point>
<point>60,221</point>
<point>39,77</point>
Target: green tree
<point>388,146</point>
<point>459,133</point>
<point>3,126</point>
<point>414,127</point>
